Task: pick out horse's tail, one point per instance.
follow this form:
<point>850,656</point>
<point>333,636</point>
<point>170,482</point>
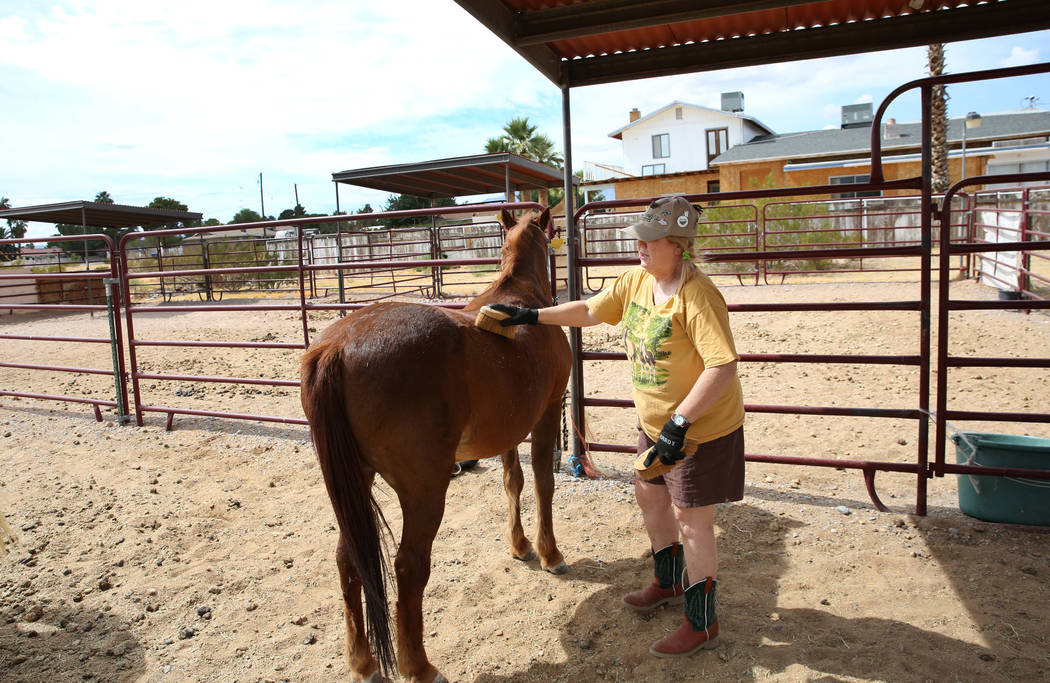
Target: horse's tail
<point>356,511</point>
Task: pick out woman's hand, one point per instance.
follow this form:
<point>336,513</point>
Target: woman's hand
<point>516,315</point>
<point>669,445</point>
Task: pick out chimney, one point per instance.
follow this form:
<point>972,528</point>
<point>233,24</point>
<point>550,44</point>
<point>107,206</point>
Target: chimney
<point>891,132</point>
<point>857,115</point>
<point>733,102</point>
<point>635,115</point>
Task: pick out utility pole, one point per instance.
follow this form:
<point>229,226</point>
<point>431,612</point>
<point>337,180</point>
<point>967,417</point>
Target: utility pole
<point>296,186</point>
<point>262,203</point>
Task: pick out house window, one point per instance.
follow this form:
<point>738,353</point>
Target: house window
<point>717,142</point>
<point>714,186</point>
<point>661,146</point>
<point>851,179</point>
<point>654,169</point>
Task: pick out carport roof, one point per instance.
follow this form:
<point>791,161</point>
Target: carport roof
<point>457,176</point>
<point>98,215</point>
<point>585,42</point>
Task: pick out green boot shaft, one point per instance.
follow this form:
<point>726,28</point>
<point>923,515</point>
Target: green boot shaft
<point>669,565</point>
<point>700,604</point>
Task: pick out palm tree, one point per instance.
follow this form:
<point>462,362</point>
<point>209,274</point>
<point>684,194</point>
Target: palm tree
<point>939,120</point>
<point>103,198</point>
<point>520,137</point>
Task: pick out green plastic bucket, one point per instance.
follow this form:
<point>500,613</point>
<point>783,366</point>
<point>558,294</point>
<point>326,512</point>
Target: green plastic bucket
<point>1004,499</point>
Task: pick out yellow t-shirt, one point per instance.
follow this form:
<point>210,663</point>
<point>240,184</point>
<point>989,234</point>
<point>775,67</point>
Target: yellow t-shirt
<point>669,345</point>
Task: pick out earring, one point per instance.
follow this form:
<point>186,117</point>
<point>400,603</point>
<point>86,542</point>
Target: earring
<point>685,256</point>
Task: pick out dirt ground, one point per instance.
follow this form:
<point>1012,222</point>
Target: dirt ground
<point>206,553</point>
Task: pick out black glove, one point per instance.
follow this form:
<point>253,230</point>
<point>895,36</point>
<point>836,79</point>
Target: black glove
<point>518,315</point>
<point>669,446</point>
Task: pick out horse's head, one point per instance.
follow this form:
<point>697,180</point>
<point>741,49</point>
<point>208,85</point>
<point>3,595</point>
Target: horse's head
<point>524,259</point>
<point>526,236</point>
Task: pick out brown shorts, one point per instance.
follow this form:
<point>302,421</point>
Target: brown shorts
<point>713,474</point>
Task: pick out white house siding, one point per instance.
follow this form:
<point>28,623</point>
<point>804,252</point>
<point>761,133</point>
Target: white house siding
<point>688,139</point>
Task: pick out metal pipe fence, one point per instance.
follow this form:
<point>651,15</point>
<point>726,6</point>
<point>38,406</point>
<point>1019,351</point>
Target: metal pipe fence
<point>393,254</point>
<point>734,260</point>
<point>992,242</point>
<point>58,290</point>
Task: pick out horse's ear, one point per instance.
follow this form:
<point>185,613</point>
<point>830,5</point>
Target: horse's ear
<point>508,219</point>
<point>545,219</point>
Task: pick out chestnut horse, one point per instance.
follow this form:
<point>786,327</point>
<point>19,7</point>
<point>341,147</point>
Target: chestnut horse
<point>406,390</point>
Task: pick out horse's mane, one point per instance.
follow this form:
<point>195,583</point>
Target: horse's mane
<point>523,278</point>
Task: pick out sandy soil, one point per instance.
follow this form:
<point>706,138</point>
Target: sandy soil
<point>206,553</point>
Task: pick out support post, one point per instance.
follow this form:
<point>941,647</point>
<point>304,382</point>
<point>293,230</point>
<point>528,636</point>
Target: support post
<point>575,293</point>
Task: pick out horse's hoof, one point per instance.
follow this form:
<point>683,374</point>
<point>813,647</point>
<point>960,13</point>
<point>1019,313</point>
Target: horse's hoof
<point>440,679</point>
<point>376,677</point>
<point>527,557</point>
<point>558,569</point>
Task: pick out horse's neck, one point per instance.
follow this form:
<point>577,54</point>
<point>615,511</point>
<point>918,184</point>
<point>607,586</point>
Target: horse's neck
<point>523,278</point>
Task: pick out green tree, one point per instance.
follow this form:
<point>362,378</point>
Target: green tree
<point>245,216</point>
<point>297,212</point>
<point>520,137</point>
<point>16,229</point>
<point>406,202</point>
<point>103,198</point>
<point>556,194</point>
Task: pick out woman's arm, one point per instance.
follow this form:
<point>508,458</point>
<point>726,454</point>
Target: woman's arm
<point>709,387</point>
<point>568,314</point>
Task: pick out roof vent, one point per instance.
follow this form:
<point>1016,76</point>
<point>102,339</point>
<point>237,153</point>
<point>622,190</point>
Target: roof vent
<point>733,101</point>
<point>857,115</point>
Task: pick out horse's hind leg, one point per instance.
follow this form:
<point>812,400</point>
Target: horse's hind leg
<point>513,482</point>
<point>363,666</point>
<point>422,509</point>
<point>544,437</point>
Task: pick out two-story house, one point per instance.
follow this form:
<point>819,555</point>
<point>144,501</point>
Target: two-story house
<point>671,149</point>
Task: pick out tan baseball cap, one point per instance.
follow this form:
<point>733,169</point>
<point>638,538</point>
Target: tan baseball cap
<point>665,217</point>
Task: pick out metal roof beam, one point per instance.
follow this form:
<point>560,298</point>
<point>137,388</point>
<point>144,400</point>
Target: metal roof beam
<point>587,19</point>
<point>960,23</point>
<point>500,20</point>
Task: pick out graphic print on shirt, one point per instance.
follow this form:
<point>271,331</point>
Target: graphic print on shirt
<point>643,334</point>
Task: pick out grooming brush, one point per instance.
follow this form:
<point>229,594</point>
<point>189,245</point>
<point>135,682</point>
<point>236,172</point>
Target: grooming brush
<point>488,320</point>
<point>656,468</point>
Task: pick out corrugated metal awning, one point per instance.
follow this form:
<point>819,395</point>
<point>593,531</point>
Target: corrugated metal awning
<point>99,215</point>
<point>585,42</point>
<point>456,177</point>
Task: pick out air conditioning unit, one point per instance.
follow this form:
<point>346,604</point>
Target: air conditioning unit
<point>733,101</point>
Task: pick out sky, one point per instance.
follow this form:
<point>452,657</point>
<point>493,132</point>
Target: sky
<point>195,100</point>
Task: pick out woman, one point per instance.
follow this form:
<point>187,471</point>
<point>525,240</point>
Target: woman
<point>685,388</point>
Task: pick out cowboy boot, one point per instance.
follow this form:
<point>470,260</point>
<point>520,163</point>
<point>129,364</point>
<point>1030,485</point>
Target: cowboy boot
<point>666,588</point>
<point>699,627</point>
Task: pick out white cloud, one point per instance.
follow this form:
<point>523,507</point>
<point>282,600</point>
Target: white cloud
<point>863,99</point>
<point>1019,56</point>
<point>143,100</point>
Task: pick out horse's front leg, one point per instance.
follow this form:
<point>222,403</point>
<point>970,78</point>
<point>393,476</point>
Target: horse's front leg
<point>513,482</point>
<point>422,510</point>
<point>544,437</point>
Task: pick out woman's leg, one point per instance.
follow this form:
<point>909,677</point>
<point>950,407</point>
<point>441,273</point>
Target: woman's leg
<point>657,513</point>
<point>697,526</point>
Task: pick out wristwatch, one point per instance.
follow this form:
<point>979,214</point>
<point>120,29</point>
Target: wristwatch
<point>680,420</point>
